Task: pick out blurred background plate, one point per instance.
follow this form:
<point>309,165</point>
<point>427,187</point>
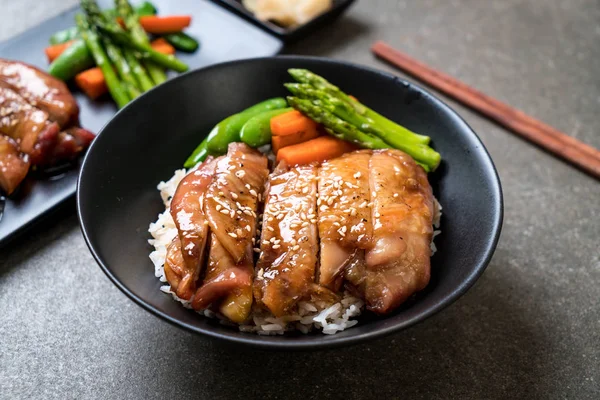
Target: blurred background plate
<point>223,37</point>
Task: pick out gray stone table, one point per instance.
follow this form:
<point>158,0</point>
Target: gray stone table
<point>529,328</point>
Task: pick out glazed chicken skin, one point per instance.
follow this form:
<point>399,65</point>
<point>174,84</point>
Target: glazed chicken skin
<point>232,200</point>
<point>344,216</point>
<point>289,241</point>
<point>360,222</point>
<point>398,264</point>
<point>41,90</point>
<point>13,166</point>
<point>187,210</point>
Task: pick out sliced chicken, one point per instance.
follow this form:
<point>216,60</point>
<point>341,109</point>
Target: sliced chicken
<point>40,90</point>
<point>344,216</point>
<point>174,265</point>
<point>402,211</point>
<point>13,166</point>
<point>187,210</point>
<point>231,203</point>
<point>30,127</point>
<point>36,135</point>
<point>289,247</point>
<point>228,282</point>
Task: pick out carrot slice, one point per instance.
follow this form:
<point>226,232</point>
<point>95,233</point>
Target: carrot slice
<point>279,142</point>
<point>319,149</point>
<point>293,123</point>
<point>92,82</point>
<point>162,46</point>
<point>56,50</point>
<point>165,24</point>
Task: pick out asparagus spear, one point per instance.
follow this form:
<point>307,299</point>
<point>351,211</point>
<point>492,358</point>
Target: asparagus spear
<point>322,112</point>
<point>344,111</point>
<point>97,17</point>
<point>118,59</point>
<point>91,39</point>
<point>115,32</point>
<point>139,35</point>
<point>388,126</point>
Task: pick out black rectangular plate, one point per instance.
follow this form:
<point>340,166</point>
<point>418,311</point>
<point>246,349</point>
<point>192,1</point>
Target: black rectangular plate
<point>285,34</point>
<point>223,37</point>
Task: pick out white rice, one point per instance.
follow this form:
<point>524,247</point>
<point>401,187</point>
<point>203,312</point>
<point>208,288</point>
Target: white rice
<point>307,318</point>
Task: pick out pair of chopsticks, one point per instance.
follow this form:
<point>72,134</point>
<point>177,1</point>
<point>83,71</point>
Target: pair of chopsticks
<point>583,156</point>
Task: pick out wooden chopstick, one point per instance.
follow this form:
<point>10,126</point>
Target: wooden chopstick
<point>564,146</point>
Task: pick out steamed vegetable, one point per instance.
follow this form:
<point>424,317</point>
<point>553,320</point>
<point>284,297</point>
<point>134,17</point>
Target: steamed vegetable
<point>165,24</point>
<point>182,41</point>
<point>228,130</point>
<point>130,19</point>
<point>162,46</point>
<point>125,72</point>
<point>315,150</point>
<point>388,127</point>
<point>342,129</point>
<point>64,35</point>
<point>293,123</point>
<point>52,52</point>
<point>257,131</point>
<point>92,83</point>
<point>197,156</point>
<point>89,35</point>
<point>71,61</point>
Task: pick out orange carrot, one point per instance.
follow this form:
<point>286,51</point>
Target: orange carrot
<point>293,123</point>
<point>162,46</point>
<point>56,50</point>
<point>92,82</point>
<point>167,24</point>
<point>319,149</point>
<point>279,142</point>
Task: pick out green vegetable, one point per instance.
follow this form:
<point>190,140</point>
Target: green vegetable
<point>323,112</point>
<point>197,156</point>
<point>182,41</point>
<point>73,60</point>
<point>130,17</point>
<point>385,125</point>
<point>143,79</point>
<point>125,72</point>
<point>257,131</point>
<point>145,8</point>
<point>228,130</point>
<point>91,39</point>
<point>64,35</point>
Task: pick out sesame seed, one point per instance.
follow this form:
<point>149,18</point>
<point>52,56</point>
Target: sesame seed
<point>336,223</point>
<point>293,226</point>
<point>248,228</point>
<point>323,208</point>
<point>330,201</point>
<point>305,190</point>
<point>259,197</point>
<point>218,207</point>
<point>353,212</point>
<point>302,215</point>
<point>256,250</point>
<point>224,211</point>
<point>239,232</point>
<point>270,219</point>
<point>349,185</point>
<point>232,214</point>
<point>270,228</point>
<point>233,235</point>
<point>253,239</point>
<point>272,240</point>
<point>373,194</point>
<point>247,185</point>
<point>221,194</point>
<point>265,242</point>
<point>377,215</point>
<point>238,212</point>
<point>276,246</point>
<point>296,247</point>
<point>344,229</point>
<point>304,224</point>
<point>395,194</point>
<point>363,204</point>
<point>293,242</point>
<point>280,216</point>
<point>247,212</point>
<point>357,175</point>
<point>234,196</point>
<point>314,220</point>
<point>253,192</point>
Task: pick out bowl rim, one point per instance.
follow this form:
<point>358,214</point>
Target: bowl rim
<point>306,342</point>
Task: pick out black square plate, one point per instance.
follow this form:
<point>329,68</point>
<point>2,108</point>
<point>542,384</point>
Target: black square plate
<point>288,34</point>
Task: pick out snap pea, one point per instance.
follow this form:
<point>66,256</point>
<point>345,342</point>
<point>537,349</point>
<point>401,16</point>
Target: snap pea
<point>257,131</point>
<point>73,60</point>
<point>228,130</point>
<point>182,41</point>
<point>64,35</point>
<point>197,156</point>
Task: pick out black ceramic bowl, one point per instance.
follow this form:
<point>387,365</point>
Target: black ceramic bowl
<point>150,138</point>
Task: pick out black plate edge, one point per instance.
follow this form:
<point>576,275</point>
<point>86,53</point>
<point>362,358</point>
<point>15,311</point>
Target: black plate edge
<point>308,344</point>
<point>287,35</point>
